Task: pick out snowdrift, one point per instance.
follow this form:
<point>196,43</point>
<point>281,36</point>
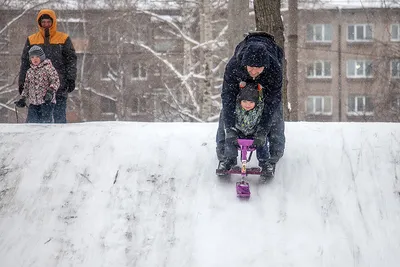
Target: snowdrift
<point>145,194</point>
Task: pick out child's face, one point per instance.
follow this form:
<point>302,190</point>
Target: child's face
<point>247,105</point>
<point>35,60</point>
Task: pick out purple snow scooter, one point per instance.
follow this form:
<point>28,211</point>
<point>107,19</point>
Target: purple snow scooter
<point>242,186</point>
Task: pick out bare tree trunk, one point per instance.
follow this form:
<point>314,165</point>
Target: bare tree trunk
<point>206,36</point>
<point>268,19</point>
<point>82,73</point>
<point>118,79</point>
<point>187,14</point>
<point>292,90</point>
<point>238,22</point>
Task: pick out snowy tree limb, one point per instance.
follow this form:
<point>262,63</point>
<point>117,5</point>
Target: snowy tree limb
<point>177,73</point>
<point>179,107</point>
<point>23,13</point>
<point>173,25</point>
<point>90,89</point>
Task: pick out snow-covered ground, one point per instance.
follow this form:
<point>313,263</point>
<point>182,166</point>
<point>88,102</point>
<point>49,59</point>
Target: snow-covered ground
<point>145,194</point>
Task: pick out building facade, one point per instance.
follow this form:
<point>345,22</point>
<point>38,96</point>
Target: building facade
<point>348,64</point>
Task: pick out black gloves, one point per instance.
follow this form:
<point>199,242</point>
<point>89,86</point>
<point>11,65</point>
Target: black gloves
<point>21,103</point>
<point>70,84</point>
<point>20,88</point>
<point>49,96</point>
<point>260,139</point>
<point>231,136</point>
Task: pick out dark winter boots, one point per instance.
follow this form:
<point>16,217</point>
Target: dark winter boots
<point>226,165</point>
<point>267,170</point>
<point>220,152</point>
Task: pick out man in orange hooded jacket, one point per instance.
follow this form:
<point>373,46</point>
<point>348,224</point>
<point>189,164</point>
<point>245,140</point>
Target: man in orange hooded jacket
<point>59,49</point>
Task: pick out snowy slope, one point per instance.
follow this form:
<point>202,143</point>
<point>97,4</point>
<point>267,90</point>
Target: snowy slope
<point>145,194</point>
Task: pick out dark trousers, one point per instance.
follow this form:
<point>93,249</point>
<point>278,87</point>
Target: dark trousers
<point>60,110</point>
<point>274,145</point>
<point>40,113</point>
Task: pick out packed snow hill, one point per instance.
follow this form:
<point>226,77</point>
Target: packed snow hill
<point>146,194</point>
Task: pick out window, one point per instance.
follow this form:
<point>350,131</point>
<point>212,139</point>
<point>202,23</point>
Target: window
<point>359,33</point>
<point>76,30</point>
<point>395,32</point>
<point>319,105</point>
<point>360,105</point>
<point>108,105</point>
<point>159,97</point>
<point>395,104</point>
<point>139,33</point>
<point>74,27</point>
<point>319,33</point>
<point>395,68</point>
<point>108,70</point>
<point>319,69</point>
<point>139,105</point>
<point>139,71</point>
<point>165,41</point>
<point>108,34</point>
<point>359,68</point>
<point>166,45</point>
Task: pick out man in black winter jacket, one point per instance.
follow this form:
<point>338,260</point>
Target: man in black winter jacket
<point>257,58</point>
<point>59,49</point>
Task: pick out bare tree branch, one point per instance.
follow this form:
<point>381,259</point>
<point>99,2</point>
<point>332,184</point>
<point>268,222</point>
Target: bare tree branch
<point>24,12</point>
<point>177,73</point>
<point>173,25</point>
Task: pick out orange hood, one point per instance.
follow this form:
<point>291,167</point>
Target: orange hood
<point>52,15</point>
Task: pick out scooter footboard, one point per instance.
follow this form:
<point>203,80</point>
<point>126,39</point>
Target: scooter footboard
<point>238,170</point>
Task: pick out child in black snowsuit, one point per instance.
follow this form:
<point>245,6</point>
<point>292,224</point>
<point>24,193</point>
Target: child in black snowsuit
<point>248,112</point>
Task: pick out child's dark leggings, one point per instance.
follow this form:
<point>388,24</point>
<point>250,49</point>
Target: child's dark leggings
<point>40,113</point>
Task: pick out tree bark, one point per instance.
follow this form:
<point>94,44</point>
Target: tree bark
<point>238,22</point>
<point>268,19</point>
<point>292,36</point>
<point>206,35</point>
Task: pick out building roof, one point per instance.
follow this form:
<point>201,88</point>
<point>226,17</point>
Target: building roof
<point>92,4</point>
<point>174,5</point>
<point>344,4</point>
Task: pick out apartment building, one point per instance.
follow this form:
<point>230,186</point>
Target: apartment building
<point>348,64</point>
